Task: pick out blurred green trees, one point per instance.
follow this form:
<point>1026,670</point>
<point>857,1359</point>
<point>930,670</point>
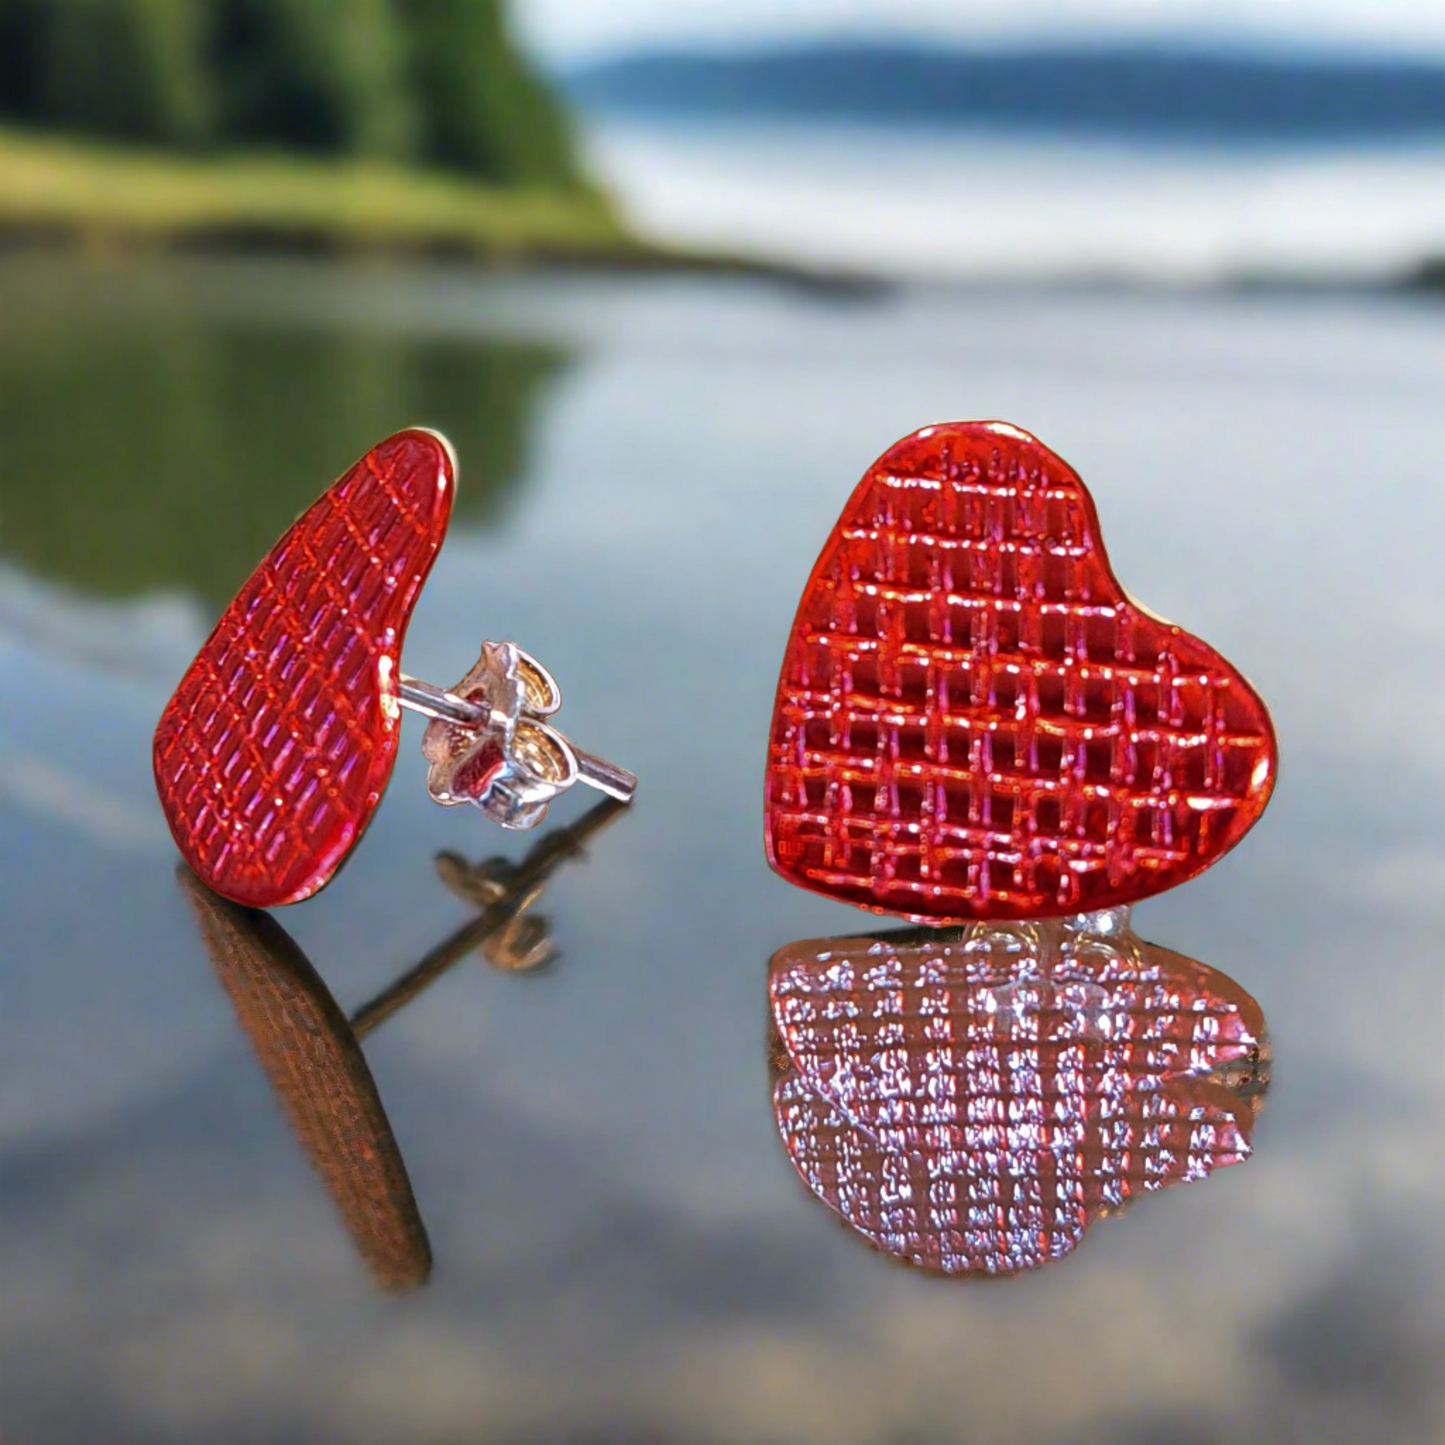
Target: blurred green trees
<point>434,81</point>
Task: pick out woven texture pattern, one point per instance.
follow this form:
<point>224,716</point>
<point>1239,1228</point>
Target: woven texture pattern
<point>318,1073</point>
<point>973,1108</point>
<point>973,721</point>
<point>278,744</point>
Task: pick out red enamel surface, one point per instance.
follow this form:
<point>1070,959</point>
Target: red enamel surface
<point>974,721</point>
<point>969,1120</point>
<point>277,745</point>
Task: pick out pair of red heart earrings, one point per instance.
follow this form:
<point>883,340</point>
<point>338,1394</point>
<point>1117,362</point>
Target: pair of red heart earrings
<point>973,720</point>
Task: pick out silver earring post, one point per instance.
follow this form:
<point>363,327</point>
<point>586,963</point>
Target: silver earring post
<point>489,744</point>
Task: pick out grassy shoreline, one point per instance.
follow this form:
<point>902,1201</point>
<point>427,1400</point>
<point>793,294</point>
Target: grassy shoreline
<point>72,191</point>
<point>64,188</point>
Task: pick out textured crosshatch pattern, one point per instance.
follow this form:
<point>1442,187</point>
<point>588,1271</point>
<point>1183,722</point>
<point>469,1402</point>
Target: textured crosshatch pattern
<point>974,721</point>
<point>277,745</point>
<point>972,1106</point>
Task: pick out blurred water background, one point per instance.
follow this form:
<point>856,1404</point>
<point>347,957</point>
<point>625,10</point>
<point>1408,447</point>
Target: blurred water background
<point>1162,164</point>
<point>649,462</point>
<point>946,206</point>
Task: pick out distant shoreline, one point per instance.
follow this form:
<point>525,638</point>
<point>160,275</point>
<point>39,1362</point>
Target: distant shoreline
<point>64,191</point>
<point>1138,92</point>
<point>67,188</point>
<point>59,192</point>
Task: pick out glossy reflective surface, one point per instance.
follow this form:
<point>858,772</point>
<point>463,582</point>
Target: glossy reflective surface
<point>972,1102</point>
<point>276,747</point>
<point>310,1051</point>
<point>311,1059</point>
<point>621,1248</point>
<point>974,720</point>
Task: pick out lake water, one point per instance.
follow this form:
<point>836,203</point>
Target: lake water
<point>961,204</point>
<point>621,1250</point>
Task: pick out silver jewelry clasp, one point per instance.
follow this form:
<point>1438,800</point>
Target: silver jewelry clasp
<point>489,743</point>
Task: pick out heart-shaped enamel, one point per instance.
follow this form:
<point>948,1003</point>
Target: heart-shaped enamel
<point>277,746</point>
<point>974,1104</point>
<point>974,721</point>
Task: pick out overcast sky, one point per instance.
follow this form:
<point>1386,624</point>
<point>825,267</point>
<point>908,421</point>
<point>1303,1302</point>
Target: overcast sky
<point>563,29</point>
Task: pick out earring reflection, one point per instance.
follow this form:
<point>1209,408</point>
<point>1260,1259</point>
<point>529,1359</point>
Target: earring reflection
<point>310,1050</point>
<point>505,933</point>
<point>971,1100</point>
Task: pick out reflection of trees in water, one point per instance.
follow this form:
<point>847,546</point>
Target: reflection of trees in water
<point>172,454</point>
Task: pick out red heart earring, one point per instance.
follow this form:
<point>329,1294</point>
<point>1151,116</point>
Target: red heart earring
<point>275,749</point>
<point>974,721</point>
